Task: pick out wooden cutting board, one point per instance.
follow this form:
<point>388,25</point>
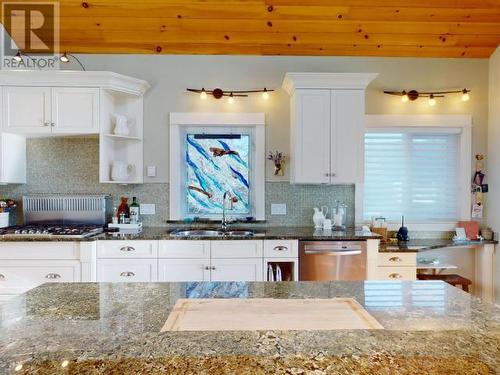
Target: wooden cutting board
<point>254,314</point>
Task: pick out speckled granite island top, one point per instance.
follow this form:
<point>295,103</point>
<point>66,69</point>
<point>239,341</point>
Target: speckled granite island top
<point>89,328</point>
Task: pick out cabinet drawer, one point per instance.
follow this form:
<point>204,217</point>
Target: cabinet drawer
<point>397,259</point>
<point>281,249</point>
<point>127,249</point>
<point>127,270</point>
<point>39,250</point>
<point>237,249</point>
<point>397,273</point>
<point>184,249</point>
<point>19,276</point>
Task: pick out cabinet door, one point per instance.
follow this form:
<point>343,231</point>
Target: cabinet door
<point>179,270</point>
<point>347,136</point>
<point>26,110</point>
<point>127,270</point>
<point>243,269</point>
<point>75,110</point>
<point>310,137</point>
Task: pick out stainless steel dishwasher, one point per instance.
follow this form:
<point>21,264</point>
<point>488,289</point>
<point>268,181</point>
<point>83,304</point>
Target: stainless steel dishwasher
<point>332,260</point>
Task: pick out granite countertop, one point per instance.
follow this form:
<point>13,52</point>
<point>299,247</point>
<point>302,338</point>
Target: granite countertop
<point>270,233</point>
<point>90,328</point>
<point>419,245</point>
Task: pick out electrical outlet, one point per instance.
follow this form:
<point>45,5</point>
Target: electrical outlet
<point>151,171</point>
<point>278,209</point>
<point>147,209</point>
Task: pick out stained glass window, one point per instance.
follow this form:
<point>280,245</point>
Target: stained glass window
<point>216,163</point>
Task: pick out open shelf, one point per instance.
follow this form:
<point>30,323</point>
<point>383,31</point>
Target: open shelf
<point>288,270</point>
<point>122,137</point>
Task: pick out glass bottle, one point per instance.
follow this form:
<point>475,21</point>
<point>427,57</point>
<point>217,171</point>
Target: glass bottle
<point>134,211</point>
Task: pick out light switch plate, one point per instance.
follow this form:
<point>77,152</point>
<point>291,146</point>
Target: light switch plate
<point>151,171</point>
<point>278,209</point>
<point>147,209</point>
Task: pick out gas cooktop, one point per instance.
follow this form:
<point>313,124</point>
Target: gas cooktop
<point>52,231</point>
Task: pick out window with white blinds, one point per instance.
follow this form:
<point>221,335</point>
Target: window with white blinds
<point>414,174</point>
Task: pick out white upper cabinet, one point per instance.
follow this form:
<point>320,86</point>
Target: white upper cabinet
<point>327,111</point>
<point>75,110</point>
<point>310,136</point>
<point>63,110</point>
<point>26,110</point>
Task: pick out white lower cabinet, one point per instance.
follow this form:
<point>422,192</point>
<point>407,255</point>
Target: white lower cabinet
<point>18,276</point>
<point>242,269</point>
<point>180,270</point>
<point>127,270</point>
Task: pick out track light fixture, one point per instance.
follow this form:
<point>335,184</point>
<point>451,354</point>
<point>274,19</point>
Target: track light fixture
<point>65,59</point>
<point>413,95</point>
<point>218,93</point>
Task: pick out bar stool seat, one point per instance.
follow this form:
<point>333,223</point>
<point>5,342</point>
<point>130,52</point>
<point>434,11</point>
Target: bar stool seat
<point>452,279</point>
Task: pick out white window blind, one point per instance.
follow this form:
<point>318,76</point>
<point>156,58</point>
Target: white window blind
<point>411,174</point>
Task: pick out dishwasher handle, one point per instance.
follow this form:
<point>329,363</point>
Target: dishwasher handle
<point>332,252</point>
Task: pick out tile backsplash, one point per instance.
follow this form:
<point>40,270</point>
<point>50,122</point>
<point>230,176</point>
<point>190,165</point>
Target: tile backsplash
<point>70,165</point>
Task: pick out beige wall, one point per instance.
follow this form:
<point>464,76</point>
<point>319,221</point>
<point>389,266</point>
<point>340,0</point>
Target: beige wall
<point>171,75</point>
<point>493,166</point>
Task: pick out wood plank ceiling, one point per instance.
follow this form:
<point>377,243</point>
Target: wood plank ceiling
<point>430,28</point>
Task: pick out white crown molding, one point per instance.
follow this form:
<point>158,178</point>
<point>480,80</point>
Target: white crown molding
<point>347,81</point>
<point>71,78</point>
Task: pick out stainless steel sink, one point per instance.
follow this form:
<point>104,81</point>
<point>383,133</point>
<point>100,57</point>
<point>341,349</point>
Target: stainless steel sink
<point>211,233</point>
<point>197,233</point>
<point>239,233</point>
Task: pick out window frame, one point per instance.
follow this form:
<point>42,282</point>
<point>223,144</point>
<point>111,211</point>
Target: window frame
<point>184,123</point>
<point>427,124</point>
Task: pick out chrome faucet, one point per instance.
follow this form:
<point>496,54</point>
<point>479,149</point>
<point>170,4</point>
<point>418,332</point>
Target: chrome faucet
<point>224,221</point>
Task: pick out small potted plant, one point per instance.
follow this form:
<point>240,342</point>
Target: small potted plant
<point>279,162</point>
<point>6,205</point>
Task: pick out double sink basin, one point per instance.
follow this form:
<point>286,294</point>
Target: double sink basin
<point>212,233</point>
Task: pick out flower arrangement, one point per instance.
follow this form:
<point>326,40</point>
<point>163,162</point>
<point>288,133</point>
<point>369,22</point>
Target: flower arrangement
<point>279,162</point>
<point>7,205</point>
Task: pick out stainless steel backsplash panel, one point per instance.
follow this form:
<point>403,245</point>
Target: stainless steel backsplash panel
<point>66,209</point>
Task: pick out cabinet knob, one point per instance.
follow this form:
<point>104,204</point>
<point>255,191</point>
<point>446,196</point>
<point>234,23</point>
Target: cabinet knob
<point>395,276</point>
<point>46,123</point>
<point>327,174</point>
<point>395,259</point>
<point>2,276</point>
<point>52,276</point>
<point>127,248</point>
<point>280,248</point>
<point>332,174</point>
<point>127,274</point>
<point>52,124</point>
<point>212,268</point>
<point>207,268</point>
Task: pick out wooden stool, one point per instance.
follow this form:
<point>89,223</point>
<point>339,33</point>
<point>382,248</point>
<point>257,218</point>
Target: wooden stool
<point>452,279</point>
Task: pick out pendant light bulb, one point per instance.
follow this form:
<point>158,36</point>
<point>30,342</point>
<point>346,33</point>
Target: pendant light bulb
<point>64,58</point>
<point>18,56</point>
<point>432,101</point>
<point>465,95</point>
<point>265,94</point>
<point>405,97</point>
<point>230,99</point>
<point>203,94</point>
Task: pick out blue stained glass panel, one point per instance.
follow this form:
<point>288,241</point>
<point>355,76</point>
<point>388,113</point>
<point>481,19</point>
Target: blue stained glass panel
<point>216,164</point>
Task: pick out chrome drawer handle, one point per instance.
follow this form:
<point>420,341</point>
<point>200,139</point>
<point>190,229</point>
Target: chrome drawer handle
<point>395,259</point>
<point>52,276</point>
<point>395,276</point>
<point>127,274</point>
<point>280,248</point>
<point>2,276</point>
<point>127,248</point>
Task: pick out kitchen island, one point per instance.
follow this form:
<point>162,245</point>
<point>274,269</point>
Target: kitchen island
<point>92,328</point>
